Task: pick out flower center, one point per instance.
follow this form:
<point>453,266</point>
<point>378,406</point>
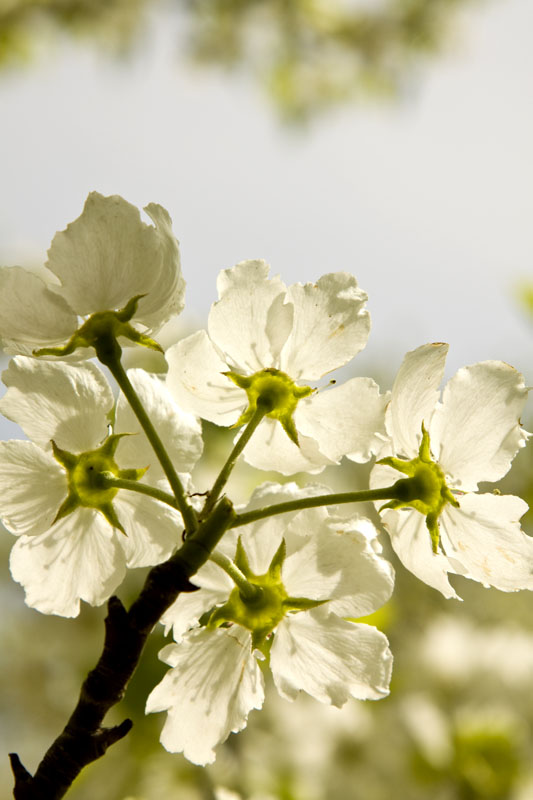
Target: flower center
<point>424,490</point>
<point>101,331</point>
<point>85,478</point>
<point>275,393</point>
<point>262,610</point>
<point>88,475</point>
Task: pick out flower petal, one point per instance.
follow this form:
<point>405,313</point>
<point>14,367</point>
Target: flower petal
<point>54,400</point>
<point>214,684</point>
<point>166,297</point>
<point>196,381</point>
<point>108,255</point>
<point>215,586</point>
<point>261,539</point>
<point>32,487</point>
<point>414,395</point>
<point>412,543</point>
<point>153,529</point>
<point>484,536</point>
<point>179,430</point>
<point>331,325</point>
<point>338,563</point>
<point>346,420</point>
<point>185,612</point>
<point>252,320</point>
<point>330,659</point>
<point>79,558</point>
<point>271,449</point>
<point>31,315</point>
<point>477,429</point>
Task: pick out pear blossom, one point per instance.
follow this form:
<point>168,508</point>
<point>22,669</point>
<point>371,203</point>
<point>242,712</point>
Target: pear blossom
<point>268,340</point>
<point>76,539</point>
<point>451,445</point>
<point>99,263</point>
<point>316,573</point>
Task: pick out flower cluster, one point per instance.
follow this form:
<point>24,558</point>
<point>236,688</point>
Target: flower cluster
<point>103,483</point>
<point>314,575</point>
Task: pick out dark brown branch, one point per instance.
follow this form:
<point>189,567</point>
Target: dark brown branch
<point>84,739</point>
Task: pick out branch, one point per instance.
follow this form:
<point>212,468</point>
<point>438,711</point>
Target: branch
<point>84,739</point>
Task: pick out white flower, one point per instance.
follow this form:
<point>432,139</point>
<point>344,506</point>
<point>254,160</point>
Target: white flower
<point>101,261</point>
<point>314,573</point>
<point>473,435</point>
<point>263,333</point>
<point>70,545</point>
<point>214,683</point>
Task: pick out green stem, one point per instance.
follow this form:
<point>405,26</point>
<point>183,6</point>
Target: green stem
<point>225,472</point>
<point>109,352</point>
<point>367,495</point>
<point>246,589</point>
<point>142,488</point>
<point>197,548</point>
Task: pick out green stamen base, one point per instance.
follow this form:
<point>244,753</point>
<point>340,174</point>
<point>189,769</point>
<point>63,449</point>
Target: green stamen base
<point>424,490</point>
<point>100,329</point>
<point>273,391</point>
<point>261,605</point>
<point>88,479</point>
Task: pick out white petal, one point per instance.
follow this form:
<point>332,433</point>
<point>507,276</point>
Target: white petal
<point>271,493</point>
<point>32,487</point>
<point>261,539</point>
<point>382,476</point>
<point>31,316</point>
<point>412,543</point>
<point>108,255</point>
<point>215,588</point>
<point>179,430</point>
<point>214,684</point>
<point>251,320</point>
<point>79,558</point>
<point>485,537</point>
<point>414,395</point>
<point>153,529</point>
<point>271,449</point>
<point>166,297</point>
<point>476,431</point>
<point>339,565</point>
<point>54,400</point>
<point>331,325</point>
<point>197,384</point>
<point>346,420</point>
<point>330,659</point>
<point>185,612</point>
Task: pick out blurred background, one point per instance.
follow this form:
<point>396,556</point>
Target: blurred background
<point>388,138</point>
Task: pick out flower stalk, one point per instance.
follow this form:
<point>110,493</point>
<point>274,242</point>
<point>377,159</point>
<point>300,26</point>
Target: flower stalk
<point>364,496</point>
<point>109,352</point>
<point>246,589</point>
<point>239,446</point>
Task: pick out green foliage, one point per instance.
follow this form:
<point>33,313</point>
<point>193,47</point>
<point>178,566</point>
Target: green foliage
<point>309,55</point>
<point>26,24</point>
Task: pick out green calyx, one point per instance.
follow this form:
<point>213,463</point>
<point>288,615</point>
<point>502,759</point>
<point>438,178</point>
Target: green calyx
<point>275,393</point>
<point>89,477</point>
<point>424,490</point>
<point>101,331</point>
<point>263,603</point>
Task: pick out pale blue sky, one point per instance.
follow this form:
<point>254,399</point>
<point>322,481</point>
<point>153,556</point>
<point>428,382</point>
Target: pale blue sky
<point>428,202</point>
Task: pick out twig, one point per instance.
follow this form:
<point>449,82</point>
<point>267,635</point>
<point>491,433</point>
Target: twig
<point>84,739</point>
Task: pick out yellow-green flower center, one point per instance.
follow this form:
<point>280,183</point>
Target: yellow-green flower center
<point>88,479</point>
<point>85,479</point>
<point>424,490</point>
<point>262,602</point>
<point>101,331</point>
<point>275,393</point>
